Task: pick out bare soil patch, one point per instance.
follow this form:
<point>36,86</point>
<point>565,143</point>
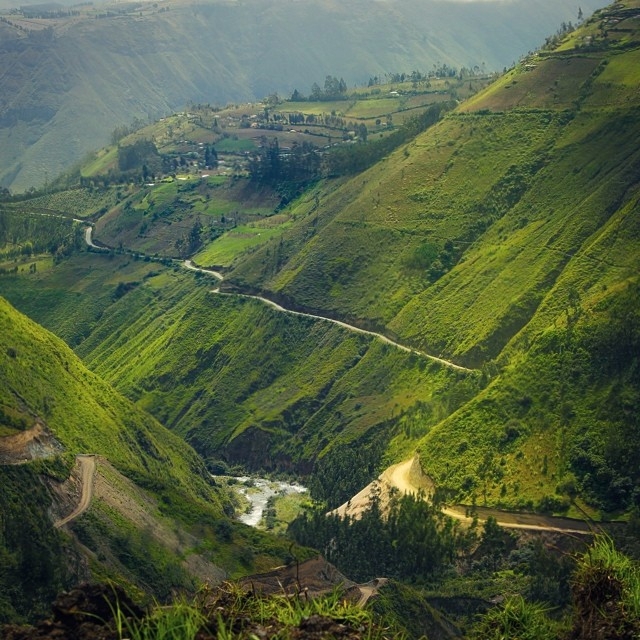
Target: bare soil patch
<point>408,478</point>
<point>31,444</point>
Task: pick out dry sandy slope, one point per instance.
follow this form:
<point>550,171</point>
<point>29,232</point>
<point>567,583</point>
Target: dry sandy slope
<point>96,481</point>
<point>408,478</point>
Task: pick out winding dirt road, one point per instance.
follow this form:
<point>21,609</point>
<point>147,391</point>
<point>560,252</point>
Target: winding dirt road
<point>407,478</point>
<point>274,305</point>
<point>87,470</point>
<point>189,264</point>
<point>89,240</point>
<point>347,326</point>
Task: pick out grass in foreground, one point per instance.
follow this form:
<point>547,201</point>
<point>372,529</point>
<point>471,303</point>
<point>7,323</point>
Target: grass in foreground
<point>606,604</point>
<point>229,612</point>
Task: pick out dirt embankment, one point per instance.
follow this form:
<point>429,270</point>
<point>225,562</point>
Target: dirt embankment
<point>408,478</point>
<point>120,495</point>
<point>315,577</point>
<point>31,444</point>
<point>405,477</point>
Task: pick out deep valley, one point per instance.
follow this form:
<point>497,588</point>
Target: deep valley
<point>420,298</point>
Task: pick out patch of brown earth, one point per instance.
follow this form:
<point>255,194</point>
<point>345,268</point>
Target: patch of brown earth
<point>315,577</point>
<point>31,444</point>
<point>311,578</point>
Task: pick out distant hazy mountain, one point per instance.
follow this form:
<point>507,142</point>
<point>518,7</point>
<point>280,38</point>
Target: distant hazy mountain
<point>65,88</point>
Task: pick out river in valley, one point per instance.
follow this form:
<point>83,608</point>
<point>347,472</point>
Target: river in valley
<point>258,491</point>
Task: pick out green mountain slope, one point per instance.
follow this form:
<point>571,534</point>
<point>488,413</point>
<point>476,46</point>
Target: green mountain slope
<point>71,80</point>
<point>155,521</point>
<point>240,381</point>
<point>504,238</point>
<point>468,228</point>
<point>506,235</point>
<point>83,413</point>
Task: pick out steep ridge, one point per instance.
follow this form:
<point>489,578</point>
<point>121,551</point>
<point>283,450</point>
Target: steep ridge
<point>147,480</point>
<point>96,421</point>
<point>504,238</point>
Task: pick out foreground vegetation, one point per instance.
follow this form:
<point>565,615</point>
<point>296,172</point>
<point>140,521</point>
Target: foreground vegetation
<point>602,599</point>
<point>605,596</point>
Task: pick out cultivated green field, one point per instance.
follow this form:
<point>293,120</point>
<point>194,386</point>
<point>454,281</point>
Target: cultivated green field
<point>223,251</point>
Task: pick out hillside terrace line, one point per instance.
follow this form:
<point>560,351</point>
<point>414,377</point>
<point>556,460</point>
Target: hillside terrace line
<point>188,264</point>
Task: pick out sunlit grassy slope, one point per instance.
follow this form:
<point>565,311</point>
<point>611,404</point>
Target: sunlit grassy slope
<point>239,380</point>
<point>504,238</point>
<point>466,230</point>
<point>41,377</point>
<point>156,518</point>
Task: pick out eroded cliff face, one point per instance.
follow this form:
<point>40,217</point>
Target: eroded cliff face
<point>32,444</point>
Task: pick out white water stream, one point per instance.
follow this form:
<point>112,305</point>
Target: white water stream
<point>258,491</point>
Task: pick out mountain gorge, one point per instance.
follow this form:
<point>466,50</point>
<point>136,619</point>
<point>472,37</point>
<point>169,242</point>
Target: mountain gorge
<point>70,80</point>
<point>503,235</point>
<point>468,302</point>
<point>144,527</point>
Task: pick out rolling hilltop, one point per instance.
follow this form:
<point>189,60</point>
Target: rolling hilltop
<point>71,78</point>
